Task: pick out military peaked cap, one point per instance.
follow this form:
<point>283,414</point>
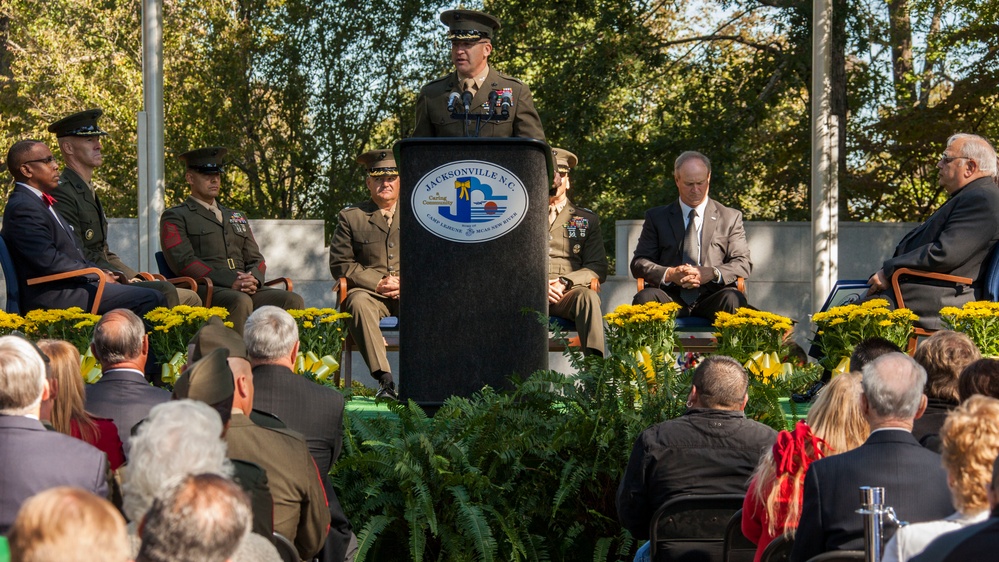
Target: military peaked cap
<point>205,160</point>
<point>564,160</point>
<point>380,162</point>
<point>469,25</point>
<point>82,124</point>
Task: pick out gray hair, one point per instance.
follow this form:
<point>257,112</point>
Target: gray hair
<point>978,149</point>
<point>270,333</point>
<point>721,383</point>
<point>893,385</point>
<point>118,337</point>
<point>201,518</point>
<point>22,376</point>
<point>690,155</point>
<point>177,439</point>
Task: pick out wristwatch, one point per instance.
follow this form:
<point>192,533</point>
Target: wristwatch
<point>717,274</point>
<point>567,282</point>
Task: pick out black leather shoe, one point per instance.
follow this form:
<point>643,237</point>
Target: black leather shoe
<point>387,392</point>
<point>808,394</point>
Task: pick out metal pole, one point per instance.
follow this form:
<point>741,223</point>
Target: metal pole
<point>151,182</point>
<point>872,501</point>
<point>825,232</point>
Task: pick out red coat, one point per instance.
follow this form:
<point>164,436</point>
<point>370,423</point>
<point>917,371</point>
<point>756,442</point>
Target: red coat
<point>106,440</point>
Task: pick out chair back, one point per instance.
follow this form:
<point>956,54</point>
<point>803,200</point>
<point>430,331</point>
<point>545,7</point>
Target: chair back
<point>779,550</point>
<point>10,279</point>
<point>990,285</point>
<point>164,268</point>
<point>839,556</point>
<point>285,548</point>
<point>692,528</point>
<point>737,548</point>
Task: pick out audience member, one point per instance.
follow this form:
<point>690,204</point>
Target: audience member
<point>33,459</point>
<point>835,425</point>
<point>693,251</point>
<point>41,243</point>
<point>914,482</point>
<point>979,377</point>
<point>315,411</point>
<point>67,414</point>
<point>956,239</point>
<point>68,524</point>
<point>204,518</point>
<point>970,439</point>
<point>868,350</point>
<point>944,355</point>
<point>123,394</point>
<point>178,439</point>
<point>300,510</point>
<point>711,449</point>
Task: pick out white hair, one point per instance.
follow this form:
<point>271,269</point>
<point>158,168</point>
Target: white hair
<point>978,149</point>
<point>270,333</point>
<point>893,385</point>
<point>22,376</point>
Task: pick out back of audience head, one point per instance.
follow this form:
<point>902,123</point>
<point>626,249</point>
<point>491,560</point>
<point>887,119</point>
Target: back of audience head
<point>868,350</point>
<point>65,523</point>
<point>271,334</point>
<point>836,415</point>
<point>64,368</point>
<point>970,438</point>
<point>979,377</point>
<point>178,438</point>
<point>719,383</point>
<point>119,337</point>
<point>944,355</point>
<point>893,390</point>
<point>203,518</point>
<point>22,377</point>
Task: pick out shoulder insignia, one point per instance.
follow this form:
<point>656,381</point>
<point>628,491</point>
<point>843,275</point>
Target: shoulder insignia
<point>510,78</point>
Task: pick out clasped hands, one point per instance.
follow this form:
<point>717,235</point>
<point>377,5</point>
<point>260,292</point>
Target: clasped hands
<point>388,287</point>
<point>245,283</point>
<point>689,276</point>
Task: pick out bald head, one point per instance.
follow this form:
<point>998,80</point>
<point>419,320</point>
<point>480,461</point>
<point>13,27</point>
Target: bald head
<point>119,337</point>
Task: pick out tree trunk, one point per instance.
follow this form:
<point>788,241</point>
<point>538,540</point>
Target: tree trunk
<point>900,35</point>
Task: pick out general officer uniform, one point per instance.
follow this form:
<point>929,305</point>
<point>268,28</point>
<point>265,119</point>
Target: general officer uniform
<point>433,119</point>
<point>576,255</point>
<point>199,241</point>
<point>364,250</point>
<point>77,202</point>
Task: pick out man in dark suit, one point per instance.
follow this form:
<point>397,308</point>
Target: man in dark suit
<point>471,34</point>
<point>315,411</point>
<point>913,477</point>
<point>202,238</point>
<point>365,251</point>
<point>692,251</point>
<point>576,256</point>
<point>77,202</point>
<point>41,242</point>
<point>956,239</point>
<point>123,394</point>
<point>33,459</point>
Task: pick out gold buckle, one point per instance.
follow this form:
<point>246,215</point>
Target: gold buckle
<point>232,264</point>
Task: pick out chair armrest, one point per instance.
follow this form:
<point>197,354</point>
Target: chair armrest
<point>341,290</point>
<point>288,285</point>
<point>595,285</point>
<point>640,283</point>
<point>146,276</point>
<point>186,282</point>
<point>102,280</point>
<point>897,289</point>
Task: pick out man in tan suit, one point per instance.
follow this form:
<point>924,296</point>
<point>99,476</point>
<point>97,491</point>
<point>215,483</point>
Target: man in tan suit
<point>365,250</point>
<point>576,256</point>
<point>471,35</point>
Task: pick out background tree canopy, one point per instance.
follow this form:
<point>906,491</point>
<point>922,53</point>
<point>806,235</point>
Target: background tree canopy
<point>297,88</point>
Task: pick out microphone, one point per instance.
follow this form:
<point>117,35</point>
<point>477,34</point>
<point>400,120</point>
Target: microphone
<point>506,100</point>
<point>492,103</point>
<point>451,100</point>
<point>466,100</point>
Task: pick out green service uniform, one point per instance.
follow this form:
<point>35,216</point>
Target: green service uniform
<point>576,251</point>
<point>82,210</point>
<point>300,510</point>
<point>434,120</point>
<point>364,249</point>
<point>195,244</point>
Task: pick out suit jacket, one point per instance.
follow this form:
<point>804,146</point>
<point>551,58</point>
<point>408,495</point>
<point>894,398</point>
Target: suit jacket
<point>40,246</point>
<point>364,249</point>
<point>81,208</point>
<point>300,510</point>
<point>33,459</point>
<point>956,239</point>
<point>434,120</point>
<point>913,478</point>
<point>195,244</point>
<point>974,542</point>
<point>124,397</point>
<point>723,245</point>
<point>576,247</point>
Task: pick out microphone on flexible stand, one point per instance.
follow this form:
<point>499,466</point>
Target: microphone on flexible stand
<point>505,102</point>
<point>466,100</point>
<point>451,100</point>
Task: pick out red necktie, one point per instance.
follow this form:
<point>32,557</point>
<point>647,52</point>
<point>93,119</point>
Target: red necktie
<point>49,200</point>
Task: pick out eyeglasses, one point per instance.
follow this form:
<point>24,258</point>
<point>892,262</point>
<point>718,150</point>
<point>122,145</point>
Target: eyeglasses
<point>47,160</point>
<point>948,159</point>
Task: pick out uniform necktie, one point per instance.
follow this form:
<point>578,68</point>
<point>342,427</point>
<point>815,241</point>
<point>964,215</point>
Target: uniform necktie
<point>469,85</point>
<point>216,211</point>
<point>388,218</point>
<point>552,214</point>
<point>691,255</point>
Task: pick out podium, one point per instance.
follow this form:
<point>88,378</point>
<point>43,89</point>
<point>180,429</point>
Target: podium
<point>473,265</point>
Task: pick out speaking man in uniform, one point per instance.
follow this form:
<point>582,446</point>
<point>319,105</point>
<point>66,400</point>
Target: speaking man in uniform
<point>365,250</point>
<point>201,238</point>
<point>471,33</point>
<point>76,201</point>
<point>576,256</point>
